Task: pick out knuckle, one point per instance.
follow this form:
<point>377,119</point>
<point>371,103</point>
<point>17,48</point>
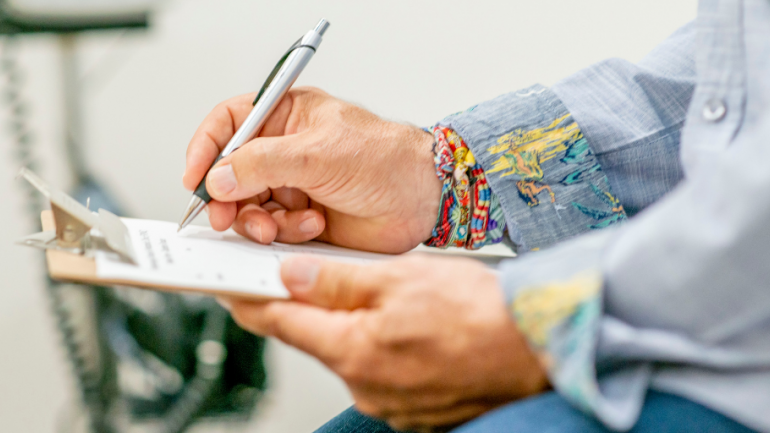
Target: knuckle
<point>386,274</point>
<point>221,110</point>
<point>310,90</point>
<point>388,339</point>
<point>308,95</point>
<point>338,283</point>
<point>401,424</point>
<point>315,91</point>
<point>369,408</point>
<point>271,322</point>
<point>246,320</point>
<point>393,335</point>
<point>385,334</point>
<point>264,196</point>
<point>351,371</point>
<point>341,112</point>
<point>346,288</point>
<point>238,317</point>
<point>355,368</point>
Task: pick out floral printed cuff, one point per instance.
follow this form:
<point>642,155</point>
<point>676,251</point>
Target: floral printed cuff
<point>536,159</point>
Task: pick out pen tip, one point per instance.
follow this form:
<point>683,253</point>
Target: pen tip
<point>193,209</point>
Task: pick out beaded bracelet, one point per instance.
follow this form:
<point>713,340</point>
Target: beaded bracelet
<point>470,215</point>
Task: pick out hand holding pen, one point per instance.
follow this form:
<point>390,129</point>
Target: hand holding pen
<point>321,169</point>
<point>277,84</point>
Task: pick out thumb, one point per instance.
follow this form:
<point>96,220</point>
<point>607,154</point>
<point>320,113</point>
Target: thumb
<point>332,285</point>
<point>262,163</point>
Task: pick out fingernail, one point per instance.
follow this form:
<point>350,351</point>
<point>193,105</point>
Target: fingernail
<point>222,179</point>
<point>255,230</point>
<point>224,303</point>
<point>310,225</point>
<point>302,271</point>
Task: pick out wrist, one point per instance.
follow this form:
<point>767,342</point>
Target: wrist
<point>470,214</point>
<point>424,198</point>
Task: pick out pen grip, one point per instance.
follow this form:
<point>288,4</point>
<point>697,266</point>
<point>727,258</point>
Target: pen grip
<point>200,190</point>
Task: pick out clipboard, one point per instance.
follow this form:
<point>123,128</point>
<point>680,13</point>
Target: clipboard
<point>72,234</point>
<point>78,268</point>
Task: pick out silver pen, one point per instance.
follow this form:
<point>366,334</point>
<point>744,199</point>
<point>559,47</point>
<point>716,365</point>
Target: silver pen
<point>277,84</point>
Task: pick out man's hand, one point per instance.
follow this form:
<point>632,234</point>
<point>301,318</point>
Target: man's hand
<point>320,169</point>
<point>419,341</point>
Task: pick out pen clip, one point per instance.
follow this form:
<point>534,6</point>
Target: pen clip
<point>277,67</point>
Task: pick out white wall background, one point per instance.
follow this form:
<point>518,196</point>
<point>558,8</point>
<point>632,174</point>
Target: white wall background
<point>145,93</point>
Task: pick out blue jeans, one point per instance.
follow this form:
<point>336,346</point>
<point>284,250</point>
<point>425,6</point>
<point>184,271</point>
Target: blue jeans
<point>550,413</point>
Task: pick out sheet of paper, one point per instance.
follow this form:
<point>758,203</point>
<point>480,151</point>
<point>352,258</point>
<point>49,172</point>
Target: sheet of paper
<point>199,257</point>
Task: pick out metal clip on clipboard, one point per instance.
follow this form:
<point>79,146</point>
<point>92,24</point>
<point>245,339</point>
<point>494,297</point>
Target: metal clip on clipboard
<point>78,230</point>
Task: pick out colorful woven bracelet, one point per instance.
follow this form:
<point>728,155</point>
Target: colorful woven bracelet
<point>470,215</point>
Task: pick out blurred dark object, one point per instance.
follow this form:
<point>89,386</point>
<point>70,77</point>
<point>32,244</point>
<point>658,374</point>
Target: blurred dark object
<point>180,357</point>
<point>139,356</point>
<point>37,16</point>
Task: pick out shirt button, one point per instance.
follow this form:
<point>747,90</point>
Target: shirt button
<point>714,110</point>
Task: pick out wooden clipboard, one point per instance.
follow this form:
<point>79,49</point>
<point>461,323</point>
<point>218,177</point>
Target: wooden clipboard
<point>76,268</point>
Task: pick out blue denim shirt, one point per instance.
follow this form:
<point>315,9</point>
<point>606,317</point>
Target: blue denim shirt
<point>670,157</point>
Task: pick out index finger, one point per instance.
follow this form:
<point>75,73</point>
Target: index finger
<point>212,136</point>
